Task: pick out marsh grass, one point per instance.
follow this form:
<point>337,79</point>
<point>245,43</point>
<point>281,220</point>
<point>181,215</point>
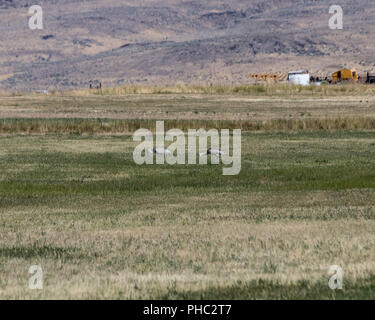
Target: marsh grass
<point>102,227</point>
<point>36,251</point>
<point>111,126</point>
<point>268,289</point>
<point>73,200</point>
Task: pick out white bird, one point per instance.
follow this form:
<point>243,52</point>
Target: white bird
<point>159,150</point>
<point>215,152</point>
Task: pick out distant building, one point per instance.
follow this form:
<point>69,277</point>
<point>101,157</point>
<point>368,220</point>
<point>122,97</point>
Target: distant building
<point>301,77</point>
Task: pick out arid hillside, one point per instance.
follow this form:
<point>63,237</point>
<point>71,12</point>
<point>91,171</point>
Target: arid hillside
<point>166,42</point>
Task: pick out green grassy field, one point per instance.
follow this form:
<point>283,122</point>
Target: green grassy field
<point>100,226</point>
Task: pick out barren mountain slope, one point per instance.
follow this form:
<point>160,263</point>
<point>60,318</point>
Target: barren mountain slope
<point>154,41</point>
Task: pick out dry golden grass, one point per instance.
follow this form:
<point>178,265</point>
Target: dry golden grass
<point>269,90</point>
<point>251,89</point>
<point>87,114</point>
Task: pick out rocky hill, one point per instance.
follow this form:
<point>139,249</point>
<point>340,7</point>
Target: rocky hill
<point>154,41</point>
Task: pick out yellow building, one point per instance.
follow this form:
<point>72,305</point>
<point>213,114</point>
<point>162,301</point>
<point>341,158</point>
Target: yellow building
<point>345,75</point>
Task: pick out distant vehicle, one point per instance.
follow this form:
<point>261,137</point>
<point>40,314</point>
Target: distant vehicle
<point>345,75</point>
<point>301,77</point>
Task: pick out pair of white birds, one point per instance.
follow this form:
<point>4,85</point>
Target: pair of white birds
<point>215,152</point>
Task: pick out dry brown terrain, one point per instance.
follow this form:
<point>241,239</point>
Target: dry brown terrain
<point>128,42</point>
<point>187,106</point>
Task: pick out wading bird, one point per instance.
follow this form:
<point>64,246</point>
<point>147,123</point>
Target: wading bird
<point>215,152</point>
<point>159,150</point>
